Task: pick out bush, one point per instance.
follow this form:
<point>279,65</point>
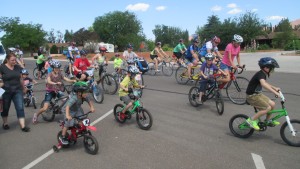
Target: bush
<point>53,49</point>
<point>293,45</point>
<point>166,47</point>
<point>112,58</point>
<point>263,47</point>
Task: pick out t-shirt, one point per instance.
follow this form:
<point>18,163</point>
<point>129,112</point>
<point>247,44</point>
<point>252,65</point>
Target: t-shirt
<point>208,70</point>
<point>234,53</point>
<point>55,79</point>
<point>27,81</point>
<point>208,46</point>
<point>74,51</point>
<point>129,56</point>
<point>19,53</point>
<point>179,47</point>
<point>118,62</point>
<point>75,103</point>
<point>254,85</point>
<point>189,53</point>
<point>81,64</point>
<point>41,59</point>
<point>11,78</point>
<point>127,83</point>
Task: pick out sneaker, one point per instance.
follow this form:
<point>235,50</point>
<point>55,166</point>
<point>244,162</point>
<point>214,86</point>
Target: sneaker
<point>157,70</point>
<point>273,123</point>
<point>63,140</point>
<point>199,101</point>
<point>34,119</point>
<point>253,124</point>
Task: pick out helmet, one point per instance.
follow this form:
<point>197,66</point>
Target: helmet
<point>129,46</point>
<point>238,38</point>
<point>18,46</point>
<point>133,70</point>
<point>158,43</point>
<point>209,56</point>
<point>49,57</point>
<point>102,49</point>
<point>268,62</point>
<point>24,72</point>
<point>80,86</point>
<point>117,54</point>
<point>216,39</point>
<point>56,64</point>
<point>180,40</point>
<point>195,40</point>
<point>83,52</point>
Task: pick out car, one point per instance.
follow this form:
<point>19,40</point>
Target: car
<point>2,53</point>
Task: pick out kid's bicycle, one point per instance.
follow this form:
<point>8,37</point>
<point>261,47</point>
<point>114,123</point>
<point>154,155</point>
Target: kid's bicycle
<point>165,66</point>
<point>80,129</point>
<point>181,74</point>
<point>143,116</point>
<point>29,96</point>
<point>289,131</point>
<point>43,73</point>
<point>54,108</point>
<point>211,91</point>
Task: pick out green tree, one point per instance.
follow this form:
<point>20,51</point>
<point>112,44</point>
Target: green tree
<point>83,35</point>
<point>284,34</point>
<point>68,36</point>
<point>119,28</point>
<point>169,35</point>
<point>28,36</point>
<point>212,28</point>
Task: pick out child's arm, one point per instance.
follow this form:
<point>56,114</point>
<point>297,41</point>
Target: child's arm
<point>269,87</point>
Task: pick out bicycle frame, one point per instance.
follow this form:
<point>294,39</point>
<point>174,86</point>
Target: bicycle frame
<point>58,110</point>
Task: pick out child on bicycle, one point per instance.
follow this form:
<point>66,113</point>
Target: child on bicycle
<point>254,92</point>
<point>27,80</point>
<point>48,64</point>
<point>73,107</point>
<point>117,63</point>
<point>207,70</point>
<point>41,63</point>
<point>54,87</point>
<point>126,87</point>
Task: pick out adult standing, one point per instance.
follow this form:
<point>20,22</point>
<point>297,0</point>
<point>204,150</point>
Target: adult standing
<point>19,55</point>
<point>13,86</point>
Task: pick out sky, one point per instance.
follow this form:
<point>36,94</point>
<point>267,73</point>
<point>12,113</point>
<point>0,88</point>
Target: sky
<point>185,14</point>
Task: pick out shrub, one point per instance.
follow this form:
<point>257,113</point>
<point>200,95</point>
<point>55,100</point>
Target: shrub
<point>112,58</point>
<point>53,49</point>
<point>292,45</point>
<point>263,47</point>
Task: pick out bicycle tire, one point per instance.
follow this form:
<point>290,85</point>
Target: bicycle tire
<point>167,69</point>
<point>48,115</point>
<point>98,94</point>
<point>35,73</point>
<point>179,75</point>
<point>236,90</point>
<point>90,144</point>
<point>219,102</point>
<point>44,73</point>
<point>109,84</point>
<point>144,119</point>
<point>237,131</point>
<point>117,109</point>
<point>151,70</point>
<point>285,133</point>
<point>193,96</point>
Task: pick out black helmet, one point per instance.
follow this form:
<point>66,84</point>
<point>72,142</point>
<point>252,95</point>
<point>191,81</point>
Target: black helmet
<point>83,52</point>
<point>80,87</point>
<point>24,72</point>
<point>268,62</point>
<point>18,46</point>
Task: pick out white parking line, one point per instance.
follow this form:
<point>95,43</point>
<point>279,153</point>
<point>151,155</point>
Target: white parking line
<point>258,161</point>
<point>42,157</point>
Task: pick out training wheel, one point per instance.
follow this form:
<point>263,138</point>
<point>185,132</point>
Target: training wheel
<point>55,149</point>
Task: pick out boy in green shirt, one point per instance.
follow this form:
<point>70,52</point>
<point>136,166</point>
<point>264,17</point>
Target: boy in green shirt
<point>41,63</point>
<point>117,63</point>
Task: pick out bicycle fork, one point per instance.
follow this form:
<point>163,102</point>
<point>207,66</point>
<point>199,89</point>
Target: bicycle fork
<point>290,126</point>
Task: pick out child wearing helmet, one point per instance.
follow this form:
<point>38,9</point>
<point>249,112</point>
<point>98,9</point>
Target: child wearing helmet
<point>211,47</point>
<point>73,107</point>
<point>81,65</point>
<point>48,64</point>
<point>41,63</point>
<point>54,88</point>
<point>99,59</point>
<point>126,86</point>
<point>207,69</point>
<point>27,80</point>
<point>117,63</point>
<point>254,92</point>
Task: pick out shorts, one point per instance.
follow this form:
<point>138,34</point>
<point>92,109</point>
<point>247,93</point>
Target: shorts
<point>203,84</point>
<point>223,66</point>
<point>71,123</point>
<point>78,76</point>
<point>178,55</point>
<point>189,61</point>
<point>40,66</point>
<point>153,57</point>
<point>50,95</point>
<point>126,99</point>
<point>70,60</point>
<point>259,101</point>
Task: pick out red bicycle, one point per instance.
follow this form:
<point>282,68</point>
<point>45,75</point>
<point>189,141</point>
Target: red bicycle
<point>83,129</point>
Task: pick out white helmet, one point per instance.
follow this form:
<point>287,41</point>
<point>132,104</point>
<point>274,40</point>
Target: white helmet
<point>209,56</point>
<point>238,38</point>
<point>133,70</point>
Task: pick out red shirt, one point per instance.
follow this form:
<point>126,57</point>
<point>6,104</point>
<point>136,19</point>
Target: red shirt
<point>81,64</point>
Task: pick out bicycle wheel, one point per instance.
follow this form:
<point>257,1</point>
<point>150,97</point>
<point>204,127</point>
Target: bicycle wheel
<point>35,73</point>
<point>48,115</point>
<point>151,70</point>
<point>109,84</point>
<point>287,136</point>
<point>193,96</point>
<point>181,75</point>
<point>239,127</point>
<point>44,73</point>
<point>144,119</point>
<point>98,94</point>
<point>236,90</point>
<point>90,144</point>
<point>167,69</point>
<point>117,110</point>
<point>33,102</point>
<point>219,102</point>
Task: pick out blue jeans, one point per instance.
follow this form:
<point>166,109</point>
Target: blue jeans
<point>17,98</point>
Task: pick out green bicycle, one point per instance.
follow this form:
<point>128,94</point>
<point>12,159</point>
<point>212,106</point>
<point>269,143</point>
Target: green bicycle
<point>289,130</point>
<point>143,116</point>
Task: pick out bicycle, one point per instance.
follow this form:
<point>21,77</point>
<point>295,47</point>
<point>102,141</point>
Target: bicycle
<point>181,74</point>
<point>165,66</point>
<point>79,130</point>
<point>29,96</point>
<point>108,81</point>
<point>54,108</point>
<point>289,130</point>
<point>143,116</point>
<point>95,89</point>
<point>43,73</point>
<point>211,91</point>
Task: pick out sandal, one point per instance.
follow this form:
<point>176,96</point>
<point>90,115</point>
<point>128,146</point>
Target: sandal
<point>34,119</point>
<point>25,129</point>
<point>5,126</point>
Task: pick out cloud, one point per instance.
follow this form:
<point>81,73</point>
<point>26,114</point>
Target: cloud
<point>216,8</point>
<point>254,10</point>
<point>270,18</point>
<point>234,11</point>
<point>138,7</point>
<point>232,5</point>
<point>160,8</point>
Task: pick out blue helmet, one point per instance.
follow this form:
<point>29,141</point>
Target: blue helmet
<point>268,62</point>
<point>24,72</point>
<point>83,52</point>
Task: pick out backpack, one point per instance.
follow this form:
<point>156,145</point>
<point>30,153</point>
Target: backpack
<point>143,66</point>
